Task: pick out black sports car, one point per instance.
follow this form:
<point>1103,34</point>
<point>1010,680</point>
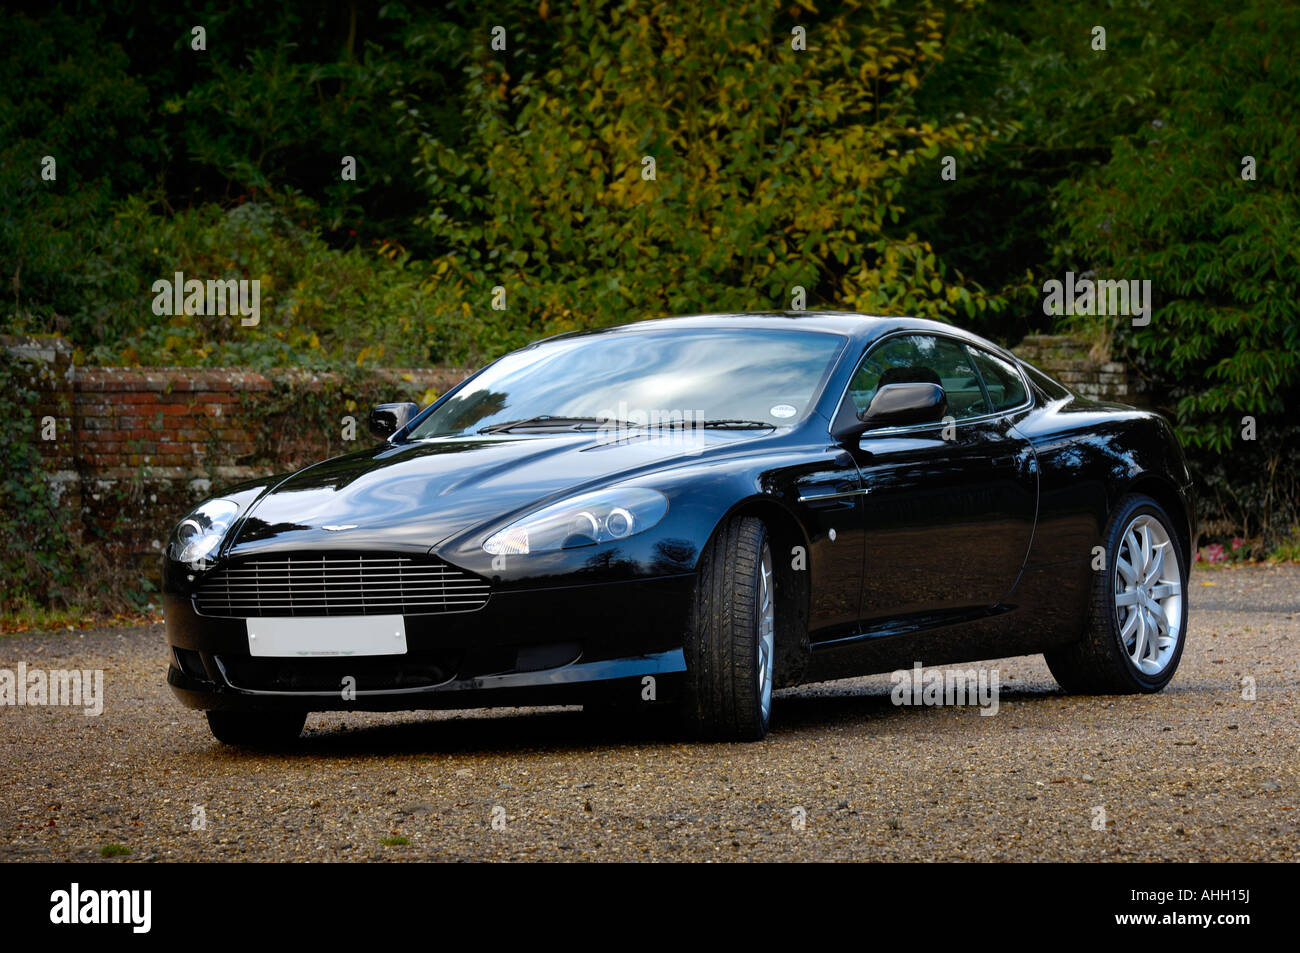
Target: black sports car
<point>692,511</point>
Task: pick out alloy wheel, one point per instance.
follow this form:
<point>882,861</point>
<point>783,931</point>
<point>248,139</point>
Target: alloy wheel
<point>1148,595</point>
<point>766,615</point>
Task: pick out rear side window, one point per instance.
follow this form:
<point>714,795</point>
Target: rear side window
<point>1005,387</point>
<point>1053,390</point>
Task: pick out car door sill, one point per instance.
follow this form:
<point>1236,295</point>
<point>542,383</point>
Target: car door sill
<point>910,624</point>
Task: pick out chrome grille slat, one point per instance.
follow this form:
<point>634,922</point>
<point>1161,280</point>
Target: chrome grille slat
<point>438,601</point>
<point>339,574</point>
<point>332,574</point>
<point>336,584</point>
<point>364,587</point>
<point>422,598</point>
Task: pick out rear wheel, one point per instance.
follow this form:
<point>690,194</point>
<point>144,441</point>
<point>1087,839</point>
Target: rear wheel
<point>1138,615</point>
<point>256,729</point>
<point>731,642</point>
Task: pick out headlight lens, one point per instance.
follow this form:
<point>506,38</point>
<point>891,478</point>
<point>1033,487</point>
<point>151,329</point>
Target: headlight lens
<point>600,517</point>
<point>197,536</point>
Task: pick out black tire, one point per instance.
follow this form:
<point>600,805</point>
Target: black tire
<point>245,729</point>
<point>1099,663</point>
<point>723,700</point>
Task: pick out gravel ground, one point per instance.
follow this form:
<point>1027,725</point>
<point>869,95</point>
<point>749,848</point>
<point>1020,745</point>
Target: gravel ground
<point>1195,773</point>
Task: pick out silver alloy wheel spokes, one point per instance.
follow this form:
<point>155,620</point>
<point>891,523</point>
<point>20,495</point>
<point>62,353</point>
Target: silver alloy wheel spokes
<point>1148,594</point>
<point>766,613</point>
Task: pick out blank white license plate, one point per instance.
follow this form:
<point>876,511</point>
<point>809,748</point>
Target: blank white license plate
<point>303,637</point>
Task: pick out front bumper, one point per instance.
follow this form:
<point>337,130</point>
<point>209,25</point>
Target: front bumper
<point>555,646</point>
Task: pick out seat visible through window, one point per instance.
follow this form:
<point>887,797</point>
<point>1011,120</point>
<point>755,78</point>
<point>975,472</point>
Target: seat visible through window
<point>926,359</point>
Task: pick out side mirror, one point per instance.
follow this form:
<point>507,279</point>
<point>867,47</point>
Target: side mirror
<point>386,419</point>
<point>901,405</point>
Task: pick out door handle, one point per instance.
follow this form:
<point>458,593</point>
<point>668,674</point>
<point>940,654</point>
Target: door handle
<point>823,500</point>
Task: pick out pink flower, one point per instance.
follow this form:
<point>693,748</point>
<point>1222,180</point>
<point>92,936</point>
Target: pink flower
<point>1214,553</point>
<point>1237,542</point>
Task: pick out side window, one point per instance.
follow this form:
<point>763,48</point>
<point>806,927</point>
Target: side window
<point>1005,387</point>
<point>1053,390</point>
<point>921,358</point>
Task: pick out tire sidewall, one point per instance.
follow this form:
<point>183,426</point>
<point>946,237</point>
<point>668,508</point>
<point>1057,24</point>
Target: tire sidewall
<point>721,700</point>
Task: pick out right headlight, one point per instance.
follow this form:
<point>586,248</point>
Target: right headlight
<point>197,536</point>
<point>599,517</point>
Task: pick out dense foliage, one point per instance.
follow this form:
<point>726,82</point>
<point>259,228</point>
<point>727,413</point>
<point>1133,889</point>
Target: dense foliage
<point>1172,203</point>
<point>44,561</point>
<point>677,166</point>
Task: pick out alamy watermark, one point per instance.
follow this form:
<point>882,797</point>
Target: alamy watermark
<point>1103,296</point>
<point>59,687</point>
<point>936,687</point>
<point>131,908</point>
<point>223,296</point>
<point>624,422</point>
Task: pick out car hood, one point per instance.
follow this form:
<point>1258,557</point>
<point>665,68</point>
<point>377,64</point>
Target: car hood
<point>412,496</point>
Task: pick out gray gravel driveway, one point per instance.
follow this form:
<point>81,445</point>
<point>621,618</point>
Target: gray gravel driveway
<point>1198,772</point>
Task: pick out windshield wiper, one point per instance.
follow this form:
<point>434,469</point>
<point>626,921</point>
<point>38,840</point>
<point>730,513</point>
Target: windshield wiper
<point>736,424</point>
<point>546,421</point>
<point>549,422</point>
<point>718,424</point>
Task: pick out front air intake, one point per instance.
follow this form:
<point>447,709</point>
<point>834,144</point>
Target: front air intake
<point>315,584</point>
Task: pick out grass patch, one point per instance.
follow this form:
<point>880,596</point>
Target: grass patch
<point>398,841</point>
<point>1287,551</point>
<point>31,618</point>
<point>114,850</point>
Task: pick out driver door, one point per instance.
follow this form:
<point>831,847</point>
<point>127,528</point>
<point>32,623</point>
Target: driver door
<point>949,506</point>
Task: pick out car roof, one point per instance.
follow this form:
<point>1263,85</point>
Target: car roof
<point>863,328</point>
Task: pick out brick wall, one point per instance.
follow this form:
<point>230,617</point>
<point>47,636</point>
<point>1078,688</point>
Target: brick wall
<point>133,448</point>
<point>1071,362</point>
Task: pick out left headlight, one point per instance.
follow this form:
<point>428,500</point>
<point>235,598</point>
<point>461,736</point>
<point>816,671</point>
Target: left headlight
<point>197,536</point>
<point>599,517</point>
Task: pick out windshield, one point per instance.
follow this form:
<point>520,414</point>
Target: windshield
<point>730,377</point>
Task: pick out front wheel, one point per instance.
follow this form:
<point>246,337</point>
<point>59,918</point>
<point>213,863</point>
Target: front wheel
<point>1138,615</point>
<point>247,729</point>
<point>731,642</point>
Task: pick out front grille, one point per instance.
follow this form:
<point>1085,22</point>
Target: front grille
<point>339,584</point>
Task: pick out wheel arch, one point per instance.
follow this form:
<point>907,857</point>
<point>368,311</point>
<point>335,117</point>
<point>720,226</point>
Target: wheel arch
<point>793,586</point>
<point>1166,494</point>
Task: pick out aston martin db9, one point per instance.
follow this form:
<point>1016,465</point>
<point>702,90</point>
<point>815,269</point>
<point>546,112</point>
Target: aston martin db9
<point>692,512</point>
